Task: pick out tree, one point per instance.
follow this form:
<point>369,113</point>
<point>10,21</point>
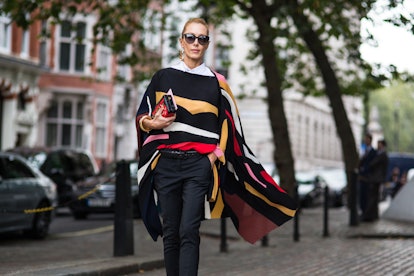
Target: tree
<point>286,31</point>
<point>308,28</point>
<point>119,25</point>
<point>312,38</point>
<point>302,35</point>
<point>395,106</point>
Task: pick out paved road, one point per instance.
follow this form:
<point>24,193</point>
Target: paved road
<point>380,248</point>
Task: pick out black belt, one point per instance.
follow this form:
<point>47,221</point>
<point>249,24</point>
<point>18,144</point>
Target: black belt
<point>178,154</point>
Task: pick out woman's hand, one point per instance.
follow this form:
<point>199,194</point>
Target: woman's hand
<point>159,121</point>
<point>212,157</point>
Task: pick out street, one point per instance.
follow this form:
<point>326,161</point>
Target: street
<point>329,257</point>
<point>65,223</point>
<point>68,240</point>
<point>73,247</point>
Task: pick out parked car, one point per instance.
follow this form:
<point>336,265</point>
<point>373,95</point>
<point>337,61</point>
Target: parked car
<point>102,200</point>
<point>399,164</point>
<point>335,178</point>
<point>310,187</point>
<point>23,189</point>
<point>65,166</point>
<point>403,161</point>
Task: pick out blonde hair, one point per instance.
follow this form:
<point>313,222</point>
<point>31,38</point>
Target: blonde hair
<point>195,20</point>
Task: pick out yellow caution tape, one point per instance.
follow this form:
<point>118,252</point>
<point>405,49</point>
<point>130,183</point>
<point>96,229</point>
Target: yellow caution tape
<point>85,195</point>
<point>48,209</point>
<point>38,210</point>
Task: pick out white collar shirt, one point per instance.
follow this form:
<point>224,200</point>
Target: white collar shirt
<point>202,69</point>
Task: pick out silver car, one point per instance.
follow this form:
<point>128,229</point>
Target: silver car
<point>27,197</point>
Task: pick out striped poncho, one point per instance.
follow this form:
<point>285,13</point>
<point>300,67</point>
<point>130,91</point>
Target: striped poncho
<point>241,189</point>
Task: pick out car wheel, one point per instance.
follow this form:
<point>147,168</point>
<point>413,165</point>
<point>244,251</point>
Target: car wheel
<point>80,215</point>
<point>41,222</point>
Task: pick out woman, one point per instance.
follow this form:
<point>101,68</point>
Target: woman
<point>199,153</point>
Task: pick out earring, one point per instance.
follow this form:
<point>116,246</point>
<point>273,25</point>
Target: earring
<point>181,54</point>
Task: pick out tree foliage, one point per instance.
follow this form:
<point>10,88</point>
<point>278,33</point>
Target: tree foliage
<point>309,45</point>
<point>395,106</point>
<point>316,47</point>
<point>119,24</point>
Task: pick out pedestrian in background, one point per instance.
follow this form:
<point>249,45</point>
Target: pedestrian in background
<point>364,174</point>
<point>399,184</point>
<point>199,153</point>
<point>378,174</point>
<point>392,182</point>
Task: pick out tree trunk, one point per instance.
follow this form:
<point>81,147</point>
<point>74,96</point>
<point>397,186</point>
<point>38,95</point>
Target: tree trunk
<point>332,89</point>
<point>282,154</point>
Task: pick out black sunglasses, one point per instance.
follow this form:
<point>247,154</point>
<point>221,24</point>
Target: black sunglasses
<point>202,39</point>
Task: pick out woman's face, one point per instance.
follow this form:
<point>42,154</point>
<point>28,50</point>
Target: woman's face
<point>194,52</point>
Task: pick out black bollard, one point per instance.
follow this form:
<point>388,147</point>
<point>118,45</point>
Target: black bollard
<point>223,235</point>
<point>352,200</point>
<point>326,212</point>
<point>265,241</point>
<point>123,221</point>
<point>296,234</point>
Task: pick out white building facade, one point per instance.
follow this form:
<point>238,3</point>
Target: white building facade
<point>313,136</point>
<point>106,125</point>
<point>20,68</point>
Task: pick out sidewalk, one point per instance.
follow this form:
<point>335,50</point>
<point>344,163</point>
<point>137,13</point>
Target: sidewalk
<point>357,250</point>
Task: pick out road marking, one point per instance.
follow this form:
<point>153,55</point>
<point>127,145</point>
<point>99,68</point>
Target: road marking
<point>85,232</point>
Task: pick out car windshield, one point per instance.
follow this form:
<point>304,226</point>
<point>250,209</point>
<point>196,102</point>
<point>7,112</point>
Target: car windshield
<point>37,159</point>
<point>307,178</point>
<point>336,178</point>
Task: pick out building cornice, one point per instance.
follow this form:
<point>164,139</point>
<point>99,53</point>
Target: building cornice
<point>11,62</point>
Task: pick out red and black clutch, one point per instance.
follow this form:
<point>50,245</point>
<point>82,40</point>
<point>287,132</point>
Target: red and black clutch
<point>167,105</point>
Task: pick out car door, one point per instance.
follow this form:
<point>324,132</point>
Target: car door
<point>18,192</point>
<point>6,202</point>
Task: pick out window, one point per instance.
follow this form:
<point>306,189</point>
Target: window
<point>72,47</point>
<point>222,60</point>
<point>21,101</point>
<point>152,25</point>
<point>64,123</point>
<point>101,123</point>
<point>14,168</point>
<point>25,44</point>
<point>5,35</point>
<point>104,63</point>
<point>124,70</point>
<point>85,165</point>
<point>43,45</point>
<point>24,52</point>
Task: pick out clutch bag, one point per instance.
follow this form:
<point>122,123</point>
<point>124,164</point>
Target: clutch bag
<point>166,104</point>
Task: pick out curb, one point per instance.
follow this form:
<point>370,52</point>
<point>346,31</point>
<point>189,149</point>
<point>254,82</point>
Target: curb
<point>103,267</point>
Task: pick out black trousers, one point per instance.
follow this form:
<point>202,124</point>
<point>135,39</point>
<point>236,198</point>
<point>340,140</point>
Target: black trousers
<point>363,195</point>
<point>372,212</point>
<point>181,185</point>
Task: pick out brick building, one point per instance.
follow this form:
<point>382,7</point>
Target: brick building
<point>57,92</point>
